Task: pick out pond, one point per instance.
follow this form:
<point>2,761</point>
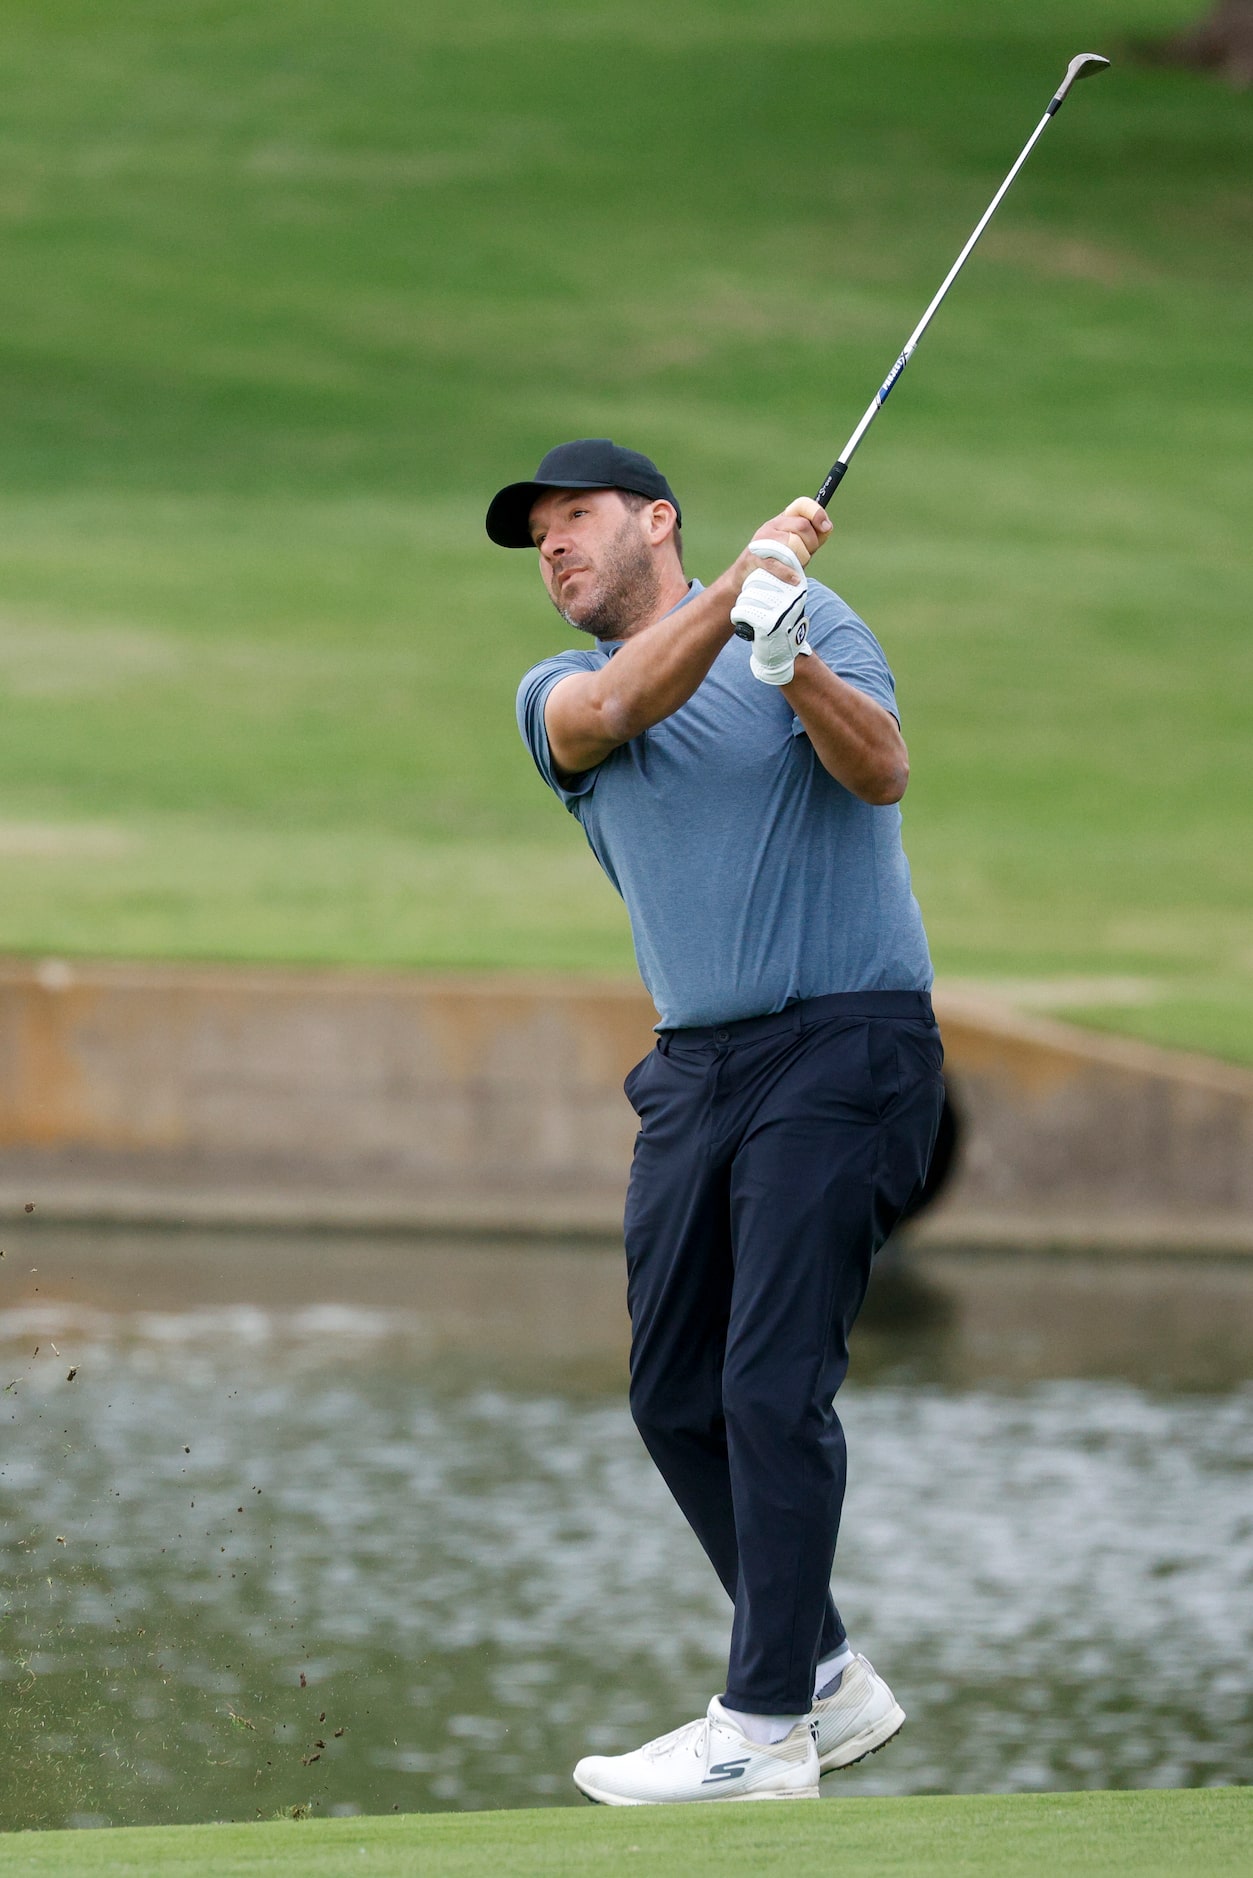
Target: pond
<point>363,1525</point>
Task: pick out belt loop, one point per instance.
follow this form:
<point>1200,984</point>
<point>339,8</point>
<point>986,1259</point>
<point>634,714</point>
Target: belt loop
<point>663,1042</point>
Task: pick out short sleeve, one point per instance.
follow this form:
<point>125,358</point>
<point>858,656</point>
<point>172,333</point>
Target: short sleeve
<point>847,645</point>
<point>532,697</point>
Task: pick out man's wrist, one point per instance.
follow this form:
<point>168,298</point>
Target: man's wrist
<point>804,653</point>
<point>778,672</point>
<point>726,591</point>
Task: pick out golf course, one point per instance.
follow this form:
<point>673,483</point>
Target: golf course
<point>286,296</point>
<point>287,292</point>
<point>1084,1835</point>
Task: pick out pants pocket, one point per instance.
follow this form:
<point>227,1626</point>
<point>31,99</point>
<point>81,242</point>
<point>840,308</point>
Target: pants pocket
<point>919,1055</point>
<point>633,1076</point>
<point>883,1066</point>
<point>900,1058</point>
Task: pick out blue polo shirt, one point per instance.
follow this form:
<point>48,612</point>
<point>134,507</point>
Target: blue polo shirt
<point>751,877</point>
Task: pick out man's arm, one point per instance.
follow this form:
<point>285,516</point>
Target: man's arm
<point>855,739</point>
<point>588,715</point>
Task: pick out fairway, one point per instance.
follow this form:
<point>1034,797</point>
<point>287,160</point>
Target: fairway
<point>284,297</point>
<point>1192,1834</point>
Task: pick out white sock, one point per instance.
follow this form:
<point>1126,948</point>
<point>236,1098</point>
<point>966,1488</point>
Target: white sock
<point>764,1731</point>
<point>831,1668</point>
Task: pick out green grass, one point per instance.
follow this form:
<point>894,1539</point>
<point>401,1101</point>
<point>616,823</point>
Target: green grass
<point>287,291</point>
<point>1192,1834</point>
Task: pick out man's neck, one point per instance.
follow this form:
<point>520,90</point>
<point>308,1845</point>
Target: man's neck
<point>673,593</point>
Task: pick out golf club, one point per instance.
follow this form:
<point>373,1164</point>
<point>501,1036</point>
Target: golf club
<point>1080,67</point>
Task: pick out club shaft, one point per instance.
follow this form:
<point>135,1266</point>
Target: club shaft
<point>836,473</point>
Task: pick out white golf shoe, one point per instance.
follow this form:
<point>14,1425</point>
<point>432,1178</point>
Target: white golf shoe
<point>856,1719</point>
<point>704,1760</point>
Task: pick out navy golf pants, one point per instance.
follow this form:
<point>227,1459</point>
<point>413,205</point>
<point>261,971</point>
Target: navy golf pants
<point>773,1159</point>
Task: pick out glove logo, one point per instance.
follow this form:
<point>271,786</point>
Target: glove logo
<point>801,632</point>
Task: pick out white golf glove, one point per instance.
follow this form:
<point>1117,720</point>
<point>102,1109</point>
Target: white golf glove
<point>771,613</point>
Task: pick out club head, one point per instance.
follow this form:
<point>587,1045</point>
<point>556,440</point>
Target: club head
<point>1083,65</point>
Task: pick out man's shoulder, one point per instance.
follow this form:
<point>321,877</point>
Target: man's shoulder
<point>830,613</point>
<point>533,691</point>
<point>830,603</point>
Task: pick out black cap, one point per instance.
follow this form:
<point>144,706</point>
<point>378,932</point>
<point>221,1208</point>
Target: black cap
<point>589,463</point>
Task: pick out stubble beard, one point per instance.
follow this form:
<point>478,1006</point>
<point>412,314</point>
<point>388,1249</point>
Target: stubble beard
<point>627,591</point>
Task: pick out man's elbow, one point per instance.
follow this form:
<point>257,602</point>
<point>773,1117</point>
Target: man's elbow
<point>617,722</point>
<point>887,784</point>
<point>583,735</point>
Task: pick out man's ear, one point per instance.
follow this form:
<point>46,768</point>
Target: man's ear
<point>662,521</point>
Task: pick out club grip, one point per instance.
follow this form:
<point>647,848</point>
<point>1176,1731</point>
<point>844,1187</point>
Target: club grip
<point>835,475</point>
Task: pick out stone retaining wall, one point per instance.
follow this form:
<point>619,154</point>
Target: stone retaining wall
<point>494,1103</point>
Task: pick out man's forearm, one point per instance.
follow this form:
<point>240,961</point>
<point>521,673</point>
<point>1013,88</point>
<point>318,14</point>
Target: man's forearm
<point>855,739</point>
<point>659,669</point>
<point>650,676</point>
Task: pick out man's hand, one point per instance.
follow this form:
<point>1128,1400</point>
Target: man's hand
<point>803,527</point>
<point>770,612</point>
<point>765,611</point>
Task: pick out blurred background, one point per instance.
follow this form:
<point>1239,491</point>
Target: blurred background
<point>286,293</point>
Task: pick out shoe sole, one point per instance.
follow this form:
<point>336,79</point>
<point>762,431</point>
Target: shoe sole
<point>861,1746</point>
<point>709,1799</point>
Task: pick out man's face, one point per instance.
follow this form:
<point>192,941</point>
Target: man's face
<point>597,559</point>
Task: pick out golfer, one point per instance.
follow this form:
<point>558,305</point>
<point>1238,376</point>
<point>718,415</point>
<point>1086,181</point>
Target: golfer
<point>734,757</point>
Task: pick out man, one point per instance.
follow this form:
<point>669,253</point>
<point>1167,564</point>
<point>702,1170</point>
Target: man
<point>741,797</point>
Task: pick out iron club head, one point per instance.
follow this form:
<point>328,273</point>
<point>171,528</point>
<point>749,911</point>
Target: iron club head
<point>1083,65</point>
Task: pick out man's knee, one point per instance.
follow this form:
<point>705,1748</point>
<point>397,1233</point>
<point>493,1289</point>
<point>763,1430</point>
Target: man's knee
<point>668,1408</point>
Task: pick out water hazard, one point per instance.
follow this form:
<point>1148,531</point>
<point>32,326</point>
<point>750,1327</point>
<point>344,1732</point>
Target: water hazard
<point>396,1545</point>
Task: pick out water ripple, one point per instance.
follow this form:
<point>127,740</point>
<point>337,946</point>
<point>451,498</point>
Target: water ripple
<point>478,1581</point>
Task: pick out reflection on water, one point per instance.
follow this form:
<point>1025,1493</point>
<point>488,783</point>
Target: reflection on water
<point>372,1554</point>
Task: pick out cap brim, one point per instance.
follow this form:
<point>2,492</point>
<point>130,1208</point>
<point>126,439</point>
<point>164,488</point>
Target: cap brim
<point>509,515</point>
